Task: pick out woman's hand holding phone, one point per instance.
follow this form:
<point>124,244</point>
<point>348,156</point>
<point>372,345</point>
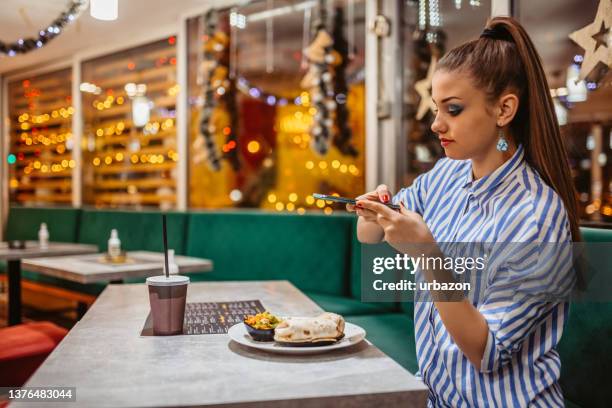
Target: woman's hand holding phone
<point>381,194</point>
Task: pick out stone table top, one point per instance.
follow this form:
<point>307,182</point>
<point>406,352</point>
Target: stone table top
<point>33,250</point>
<point>111,365</point>
<point>95,268</point>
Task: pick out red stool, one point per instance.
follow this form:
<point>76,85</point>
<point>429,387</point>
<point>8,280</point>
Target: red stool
<point>23,348</point>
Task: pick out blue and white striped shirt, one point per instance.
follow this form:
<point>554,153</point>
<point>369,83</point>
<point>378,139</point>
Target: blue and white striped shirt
<point>520,366</point>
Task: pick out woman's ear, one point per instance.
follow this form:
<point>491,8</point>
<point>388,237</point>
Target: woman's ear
<point>507,108</point>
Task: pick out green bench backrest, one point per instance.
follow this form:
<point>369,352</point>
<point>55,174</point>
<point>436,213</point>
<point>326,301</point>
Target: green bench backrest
<point>586,343</point>
<point>24,223</point>
<point>138,230</point>
<point>312,251</point>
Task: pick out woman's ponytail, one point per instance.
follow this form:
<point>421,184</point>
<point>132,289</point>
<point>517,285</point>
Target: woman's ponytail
<point>544,146</point>
<point>503,58</point>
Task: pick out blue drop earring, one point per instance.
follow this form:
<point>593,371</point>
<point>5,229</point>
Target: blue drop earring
<point>502,143</point>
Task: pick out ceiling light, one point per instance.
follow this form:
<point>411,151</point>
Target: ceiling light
<point>106,10</point>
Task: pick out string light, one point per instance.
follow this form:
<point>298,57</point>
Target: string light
<point>24,45</point>
<point>253,146</point>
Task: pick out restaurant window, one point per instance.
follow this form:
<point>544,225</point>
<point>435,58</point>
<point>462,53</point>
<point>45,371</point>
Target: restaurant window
<point>267,125</point>
<point>129,127</point>
<point>40,139</point>
<point>432,27</point>
<point>583,106</point>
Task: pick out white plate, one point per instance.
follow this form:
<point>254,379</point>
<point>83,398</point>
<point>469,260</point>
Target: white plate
<point>353,334</point>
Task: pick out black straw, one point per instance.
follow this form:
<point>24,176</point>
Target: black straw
<point>165,245</point>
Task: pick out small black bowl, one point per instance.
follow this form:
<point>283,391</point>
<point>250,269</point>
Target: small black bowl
<point>260,334</point>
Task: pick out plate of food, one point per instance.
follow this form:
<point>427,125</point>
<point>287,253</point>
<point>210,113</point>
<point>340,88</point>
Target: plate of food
<point>296,335</point>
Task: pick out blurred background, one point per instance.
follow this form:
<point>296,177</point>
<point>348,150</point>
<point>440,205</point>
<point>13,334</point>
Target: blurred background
<point>257,104</point>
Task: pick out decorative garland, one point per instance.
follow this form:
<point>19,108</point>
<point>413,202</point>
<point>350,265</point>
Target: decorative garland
<point>25,45</point>
<point>219,93</point>
<point>230,150</point>
<point>209,65</point>
<point>319,80</point>
<point>343,137</point>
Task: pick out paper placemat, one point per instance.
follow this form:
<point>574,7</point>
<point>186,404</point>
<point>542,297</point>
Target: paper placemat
<point>211,317</point>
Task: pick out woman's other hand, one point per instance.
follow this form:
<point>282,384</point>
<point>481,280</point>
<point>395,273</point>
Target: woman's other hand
<point>400,228</point>
<point>381,194</point>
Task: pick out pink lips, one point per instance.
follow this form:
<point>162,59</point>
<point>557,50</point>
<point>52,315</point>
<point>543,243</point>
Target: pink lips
<point>445,142</point>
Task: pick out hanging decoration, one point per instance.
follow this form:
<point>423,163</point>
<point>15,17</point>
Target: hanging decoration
<point>219,92</point>
<point>228,98</point>
<point>215,43</point>
<point>342,139</point>
<point>596,40</point>
<point>25,45</point>
<point>319,82</point>
<point>423,88</point>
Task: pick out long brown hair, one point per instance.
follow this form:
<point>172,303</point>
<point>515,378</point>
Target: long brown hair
<point>504,58</point>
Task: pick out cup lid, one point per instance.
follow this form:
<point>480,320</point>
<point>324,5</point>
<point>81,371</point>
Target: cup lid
<point>169,281</point>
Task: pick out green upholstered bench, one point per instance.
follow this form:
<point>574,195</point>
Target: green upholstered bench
<point>586,345</point>
<point>393,333</point>
<point>315,252</point>
<point>23,223</point>
<point>312,251</point>
<point>138,230</point>
<point>63,224</point>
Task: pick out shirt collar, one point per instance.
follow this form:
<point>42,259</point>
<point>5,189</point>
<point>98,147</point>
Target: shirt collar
<point>492,180</point>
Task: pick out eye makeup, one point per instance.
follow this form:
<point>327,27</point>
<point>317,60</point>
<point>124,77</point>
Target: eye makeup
<point>454,109</point>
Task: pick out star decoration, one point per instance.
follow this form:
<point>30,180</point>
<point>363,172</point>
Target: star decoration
<point>596,39</point>
<point>423,88</point>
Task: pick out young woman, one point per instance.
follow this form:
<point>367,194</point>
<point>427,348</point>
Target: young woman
<point>505,179</point>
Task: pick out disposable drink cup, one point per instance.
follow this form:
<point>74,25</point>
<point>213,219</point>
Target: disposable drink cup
<point>168,296</point>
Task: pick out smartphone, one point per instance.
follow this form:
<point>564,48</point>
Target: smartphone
<point>345,200</point>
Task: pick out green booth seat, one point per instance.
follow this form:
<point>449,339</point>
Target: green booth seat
<point>596,234</point>
<point>586,345</point>
<point>393,333</point>
<point>351,305</point>
<point>347,306</point>
<point>23,223</point>
<point>138,230</point>
<point>586,356</point>
<point>313,251</point>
